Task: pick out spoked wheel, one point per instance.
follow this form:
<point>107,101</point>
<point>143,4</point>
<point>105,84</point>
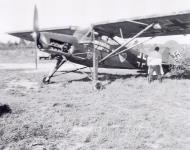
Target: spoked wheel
<point>45,80</point>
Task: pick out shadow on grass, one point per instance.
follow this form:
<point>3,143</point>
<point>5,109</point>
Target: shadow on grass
<point>101,77</point>
<point>178,76</point>
<point>4,109</point>
<point>109,77</point>
<point>113,77</point>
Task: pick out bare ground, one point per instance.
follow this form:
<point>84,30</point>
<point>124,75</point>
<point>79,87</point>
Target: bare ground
<point>128,114</point>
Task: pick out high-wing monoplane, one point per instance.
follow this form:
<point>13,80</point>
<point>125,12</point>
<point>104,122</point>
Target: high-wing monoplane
<point>100,44</point>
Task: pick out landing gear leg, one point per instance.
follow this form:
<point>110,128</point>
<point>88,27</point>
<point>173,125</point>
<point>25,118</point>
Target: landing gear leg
<point>60,61</point>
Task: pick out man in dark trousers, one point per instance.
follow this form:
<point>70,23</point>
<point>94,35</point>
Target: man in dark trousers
<point>154,63</point>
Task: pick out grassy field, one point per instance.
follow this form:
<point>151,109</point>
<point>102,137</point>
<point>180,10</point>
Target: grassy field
<point>17,56</point>
<point>128,114</point>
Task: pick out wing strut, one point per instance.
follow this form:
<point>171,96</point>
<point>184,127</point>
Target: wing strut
<point>133,46</point>
<point>127,42</point>
<point>121,33</point>
<point>96,84</point>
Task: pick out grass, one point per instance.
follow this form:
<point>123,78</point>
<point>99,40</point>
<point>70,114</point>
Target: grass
<point>128,113</point>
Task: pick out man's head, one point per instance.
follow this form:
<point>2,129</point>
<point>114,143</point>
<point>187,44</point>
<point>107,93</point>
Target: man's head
<point>157,48</point>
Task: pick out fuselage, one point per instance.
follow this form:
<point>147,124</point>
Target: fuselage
<point>80,51</point>
<point>132,59</point>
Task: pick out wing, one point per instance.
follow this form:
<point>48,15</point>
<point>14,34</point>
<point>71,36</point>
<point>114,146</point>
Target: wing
<point>175,24</point>
<point>26,35</point>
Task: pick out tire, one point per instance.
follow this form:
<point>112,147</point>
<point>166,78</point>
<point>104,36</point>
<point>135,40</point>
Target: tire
<point>46,81</point>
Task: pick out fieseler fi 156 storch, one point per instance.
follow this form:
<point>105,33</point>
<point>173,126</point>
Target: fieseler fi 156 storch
<point>78,45</point>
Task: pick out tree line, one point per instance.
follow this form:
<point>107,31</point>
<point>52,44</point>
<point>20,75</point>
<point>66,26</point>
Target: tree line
<point>22,44</point>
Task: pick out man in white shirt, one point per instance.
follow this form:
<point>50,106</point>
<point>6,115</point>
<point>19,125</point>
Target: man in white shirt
<point>154,63</point>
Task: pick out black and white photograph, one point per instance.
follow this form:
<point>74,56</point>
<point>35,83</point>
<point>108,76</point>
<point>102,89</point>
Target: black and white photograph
<point>95,75</point>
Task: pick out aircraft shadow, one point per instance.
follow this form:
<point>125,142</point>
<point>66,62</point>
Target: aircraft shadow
<point>108,77</point>
<point>101,77</point>
<point>113,77</point>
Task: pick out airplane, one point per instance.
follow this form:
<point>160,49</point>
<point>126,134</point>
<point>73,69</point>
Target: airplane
<point>100,45</point>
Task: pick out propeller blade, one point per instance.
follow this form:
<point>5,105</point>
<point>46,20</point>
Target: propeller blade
<point>36,33</point>
<point>35,20</point>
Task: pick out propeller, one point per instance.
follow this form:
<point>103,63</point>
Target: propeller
<point>35,20</point>
<point>36,33</point>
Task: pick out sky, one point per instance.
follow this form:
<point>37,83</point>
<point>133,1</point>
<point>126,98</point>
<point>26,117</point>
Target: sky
<point>17,15</point>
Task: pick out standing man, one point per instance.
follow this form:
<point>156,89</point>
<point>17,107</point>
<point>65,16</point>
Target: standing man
<point>154,63</point>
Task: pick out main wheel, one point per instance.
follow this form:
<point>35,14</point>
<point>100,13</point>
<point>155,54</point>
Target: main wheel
<point>98,86</point>
<point>45,80</point>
